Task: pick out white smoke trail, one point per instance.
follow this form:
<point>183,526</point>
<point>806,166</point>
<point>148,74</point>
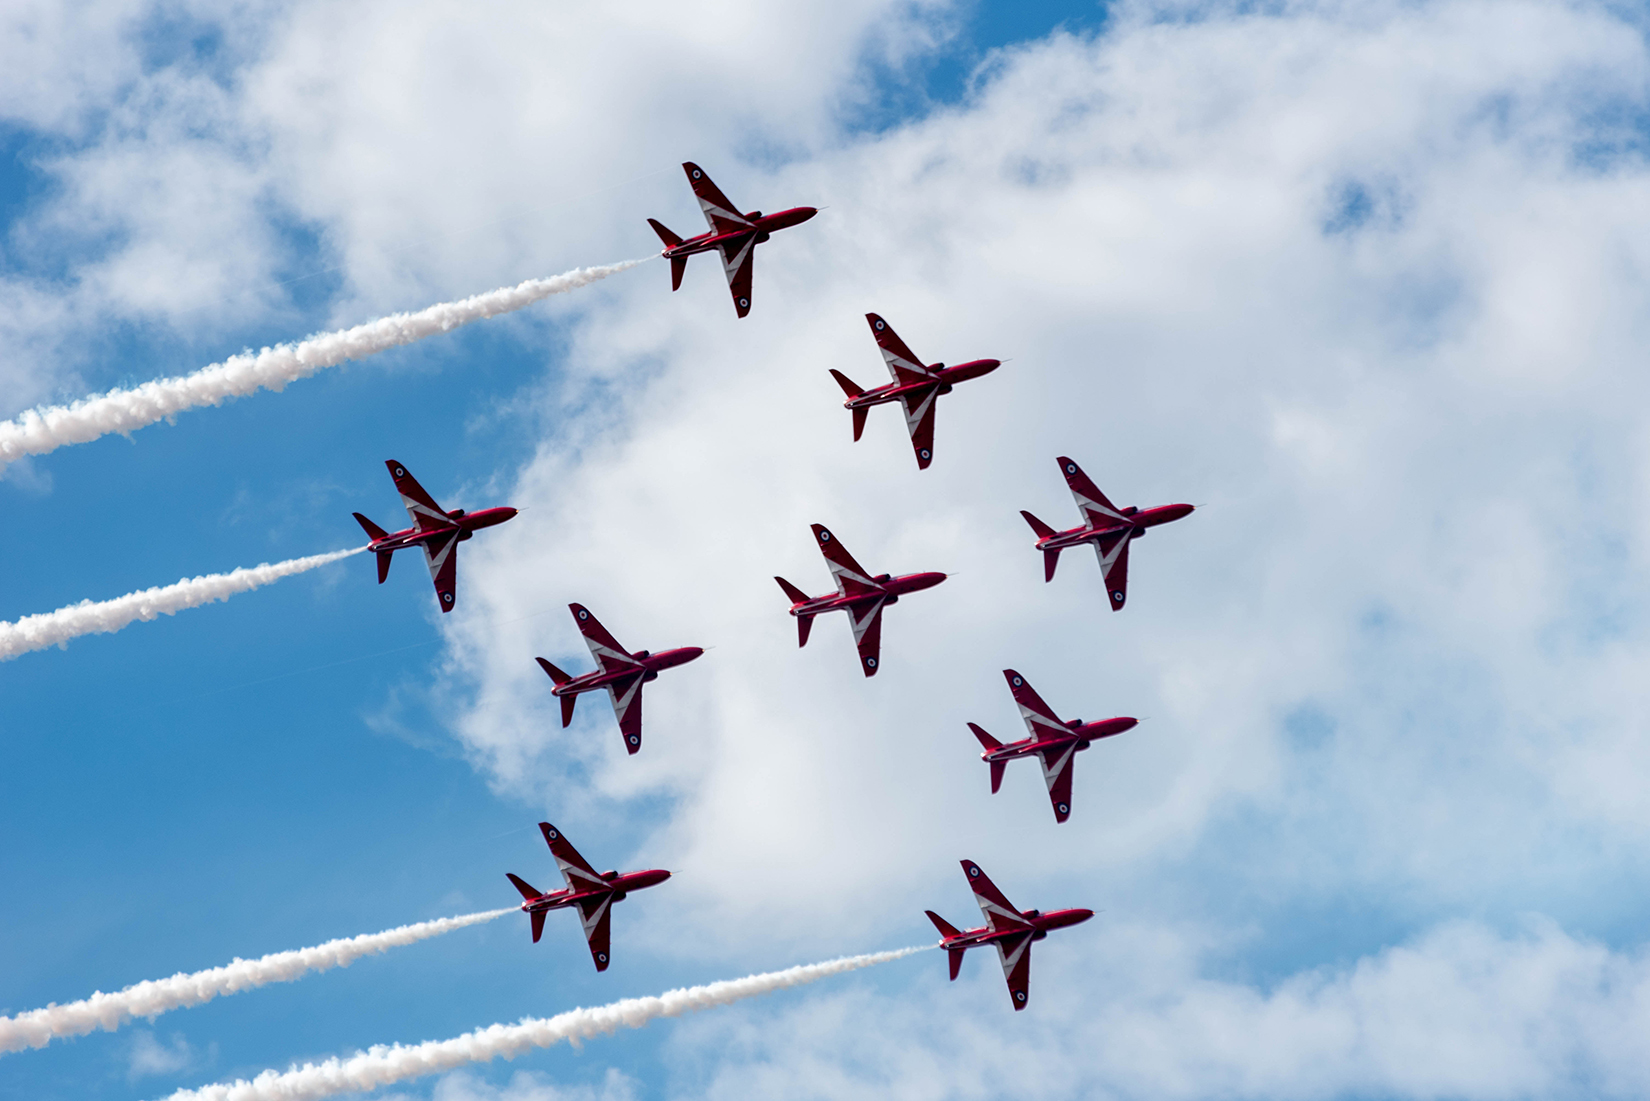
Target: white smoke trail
<point>36,632</point>
<point>39,1027</point>
<point>41,430</point>
<point>382,1065</point>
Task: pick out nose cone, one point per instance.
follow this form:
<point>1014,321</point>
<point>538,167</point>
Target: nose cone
<point>1078,916</point>
<point>1169,513</point>
<point>636,881</point>
<point>803,213</point>
<point>669,659</point>
<point>506,513</point>
<point>689,653</point>
<point>916,582</point>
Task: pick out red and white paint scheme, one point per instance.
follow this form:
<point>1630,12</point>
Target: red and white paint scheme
<point>915,386</point>
<point>733,234</point>
<point>617,670</point>
<point>1008,929</point>
<point>437,531</point>
<point>858,593</point>
<point>1109,528</point>
<point>593,893</point>
<point>1053,742</point>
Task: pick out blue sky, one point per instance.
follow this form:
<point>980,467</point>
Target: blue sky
<point>1379,313</point>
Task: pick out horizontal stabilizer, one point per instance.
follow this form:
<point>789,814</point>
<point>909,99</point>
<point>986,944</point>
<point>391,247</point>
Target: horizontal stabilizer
<point>678,268</point>
<point>945,927</point>
<point>985,739</point>
<point>859,421</point>
<point>804,624</point>
<point>997,769</point>
<point>1043,530</point>
<point>567,703</point>
<point>552,672</point>
<point>1051,559</point>
<point>670,239</point>
<point>384,560</point>
<point>528,891</point>
<point>797,595</point>
<point>956,959</point>
<point>374,532</point>
<point>849,386</point>
<point>537,917</point>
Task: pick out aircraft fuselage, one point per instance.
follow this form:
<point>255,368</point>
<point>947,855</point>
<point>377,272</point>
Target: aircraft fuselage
<point>1133,526</point>
<point>617,886</point>
<point>1079,732</point>
<point>944,378</point>
<point>465,522</point>
<point>761,227</point>
<point>1040,923</point>
<point>649,663</point>
<point>888,590</point>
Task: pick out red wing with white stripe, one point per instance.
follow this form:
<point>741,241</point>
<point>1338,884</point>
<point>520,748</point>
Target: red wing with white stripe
<point>1040,719</point>
<point>441,555</point>
<point>596,915</point>
<point>1015,952</point>
<point>426,515</point>
<point>604,648</point>
<point>1097,510</point>
<point>866,620</point>
<point>720,213</point>
<point>1000,914</point>
<point>738,258</point>
<point>627,707</point>
<point>919,421</point>
<point>1113,552</point>
<point>902,363</point>
<point>851,578</point>
<point>1057,766</point>
<point>578,873</point>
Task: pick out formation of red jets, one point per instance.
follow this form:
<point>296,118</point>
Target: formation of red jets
<point>916,386</point>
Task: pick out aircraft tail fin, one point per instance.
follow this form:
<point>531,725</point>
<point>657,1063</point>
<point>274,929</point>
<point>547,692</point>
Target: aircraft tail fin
<point>537,917</point>
<point>849,386</point>
<point>666,235</point>
<point>797,595</point>
<point>1043,530</point>
<point>528,891</point>
<point>567,703</point>
<point>945,927</point>
<point>374,532</point>
<point>552,672</point>
<point>986,740</point>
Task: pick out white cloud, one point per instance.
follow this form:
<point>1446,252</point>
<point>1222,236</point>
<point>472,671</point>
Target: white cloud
<point>1460,1012</point>
<point>149,1057</point>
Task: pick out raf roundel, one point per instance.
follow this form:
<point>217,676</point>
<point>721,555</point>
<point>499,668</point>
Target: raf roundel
<point>1063,809</point>
<point>447,598</point>
<point>1071,468</point>
<point>1019,995</point>
<point>602,956</point>
<point>697,173</point>
<point>554,835</point>
<point>400,473</point>
<point>583,614</point>
<point>1018,682</point>
<point>634,740</point>
<point>881,326</point>
<point>973,872</point>
<point>927,454</point>
<point>744,303</point>
<point>824,536</point>
<point>870,663</point>
<point>1118,596</point>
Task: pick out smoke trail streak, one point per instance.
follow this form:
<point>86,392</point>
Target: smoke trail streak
<point>41,430</point>
<point>36,632</point>
<point>382,1064</point>
<point>39,1027</point>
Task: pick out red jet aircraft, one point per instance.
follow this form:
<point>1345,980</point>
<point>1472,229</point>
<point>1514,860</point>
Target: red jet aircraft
<point>438,532</point>
<point>858,593</point>
<point>733,234</point>
<point>916,387</point>
<point>1053,742</point>
<point>618,670</point>
<point>594,893</point>
<point>1010,930</point>
<point>1108,527</point>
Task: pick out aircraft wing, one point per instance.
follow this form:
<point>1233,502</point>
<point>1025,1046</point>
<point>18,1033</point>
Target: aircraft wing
<point>421,507</point>
<point>919,420</point>
<point>578,873</point>
<point>609,656</point>
<point>850,577</point>
<point>597,916</point>
<point>1096,509</point>
<point>1039,717</point>
<point>441,554</point>
<point>737,258</point>
<point>1000,914</point>
<point>1015,952</point>
<point>902,363</point>
<point>1057,766</point>
<point>720,213</point>
<point>627,706</point>
<point>867,623</point>
<point>1113,552</point>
